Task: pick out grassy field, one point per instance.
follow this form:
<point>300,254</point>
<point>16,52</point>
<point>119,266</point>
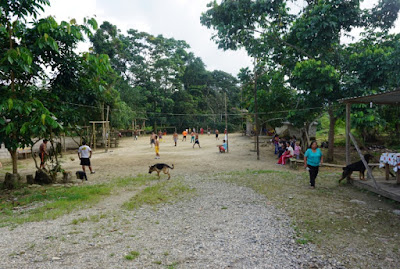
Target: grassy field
<point>327,217</point>
<point>48,202</point>
<point>162,192</point>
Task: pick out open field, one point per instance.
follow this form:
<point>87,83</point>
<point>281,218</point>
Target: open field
<point>218,210</point>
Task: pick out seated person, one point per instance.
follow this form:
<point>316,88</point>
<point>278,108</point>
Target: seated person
<point>297,150</point>
<point>223,147</point>
<point>281,148</point>
<point>286,155</point>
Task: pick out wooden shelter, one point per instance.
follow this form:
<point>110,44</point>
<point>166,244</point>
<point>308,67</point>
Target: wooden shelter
<point>137,127</point>
<point>105,133</point>
<point>384,188</point>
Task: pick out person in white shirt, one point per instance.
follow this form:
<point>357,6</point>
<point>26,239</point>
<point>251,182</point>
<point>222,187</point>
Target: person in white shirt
<point>286,155</point>
<point>84,154</point>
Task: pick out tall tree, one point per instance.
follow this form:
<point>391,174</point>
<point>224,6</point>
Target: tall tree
<point>29,47</point>
<point>312,37</point>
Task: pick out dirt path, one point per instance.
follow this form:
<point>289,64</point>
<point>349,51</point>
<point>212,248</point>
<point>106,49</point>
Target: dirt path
<point>134,157</point>
<point>222,226</point>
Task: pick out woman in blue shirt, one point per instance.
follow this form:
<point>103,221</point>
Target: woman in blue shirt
<point>312,160</point>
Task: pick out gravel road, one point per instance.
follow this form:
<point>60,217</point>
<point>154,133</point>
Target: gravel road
<point>222,226</point>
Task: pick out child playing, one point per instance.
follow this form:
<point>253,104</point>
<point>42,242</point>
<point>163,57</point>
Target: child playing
<point>196,141</point>
<point>297,150</point>
<point>157,147</point>
<point>175,137</point>
<point>192,137</point>
<point>223,147</point>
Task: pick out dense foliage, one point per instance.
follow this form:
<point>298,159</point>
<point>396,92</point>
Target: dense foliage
<point>303,40</point>
<point>48,88</point>
<point>164,83</point>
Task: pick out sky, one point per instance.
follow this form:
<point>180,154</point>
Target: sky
<point>179,19</point>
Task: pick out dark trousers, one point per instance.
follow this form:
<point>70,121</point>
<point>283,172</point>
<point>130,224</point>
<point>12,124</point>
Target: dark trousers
<point>276,148</point>
<point>313,174</point>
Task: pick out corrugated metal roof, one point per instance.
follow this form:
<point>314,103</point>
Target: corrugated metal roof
<point>384,98</point>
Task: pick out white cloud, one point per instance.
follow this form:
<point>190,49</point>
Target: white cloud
<point>179,19</point>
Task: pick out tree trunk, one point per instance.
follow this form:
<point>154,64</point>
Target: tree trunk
<point>306,129</point>
<point>331,135</point>
<point>11,181</point>
<point>14,158</point>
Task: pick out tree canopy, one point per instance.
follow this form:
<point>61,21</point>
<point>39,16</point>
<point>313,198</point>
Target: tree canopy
<point>307,47</point>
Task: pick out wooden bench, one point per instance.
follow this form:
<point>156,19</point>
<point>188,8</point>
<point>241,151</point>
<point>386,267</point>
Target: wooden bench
<point>114,142</point>
<point>293,162</point>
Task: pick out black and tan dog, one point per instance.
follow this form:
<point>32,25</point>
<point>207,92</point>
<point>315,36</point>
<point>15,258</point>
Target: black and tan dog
<point>158,167</point>
<point>357,166</point>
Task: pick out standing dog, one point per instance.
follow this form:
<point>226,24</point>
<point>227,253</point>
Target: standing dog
<point>158,167</point>
<point>357,166</point>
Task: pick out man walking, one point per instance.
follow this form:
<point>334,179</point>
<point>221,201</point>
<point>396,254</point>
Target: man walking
<point>84,154</point>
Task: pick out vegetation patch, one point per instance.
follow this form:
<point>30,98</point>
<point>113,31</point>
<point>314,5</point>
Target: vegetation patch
<point>55,202</point>
<point>163,192</point>
<point>92,218</point>
<point>48,202</point>
<point>133,182</point>
<point>132,255</point>
<point>325,215</point>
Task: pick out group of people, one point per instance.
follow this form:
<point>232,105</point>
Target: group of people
<point>313,157</point>
<point>286,149</point>
<point>291,148</point>
<point>194,138</point>
<point>156,139</point>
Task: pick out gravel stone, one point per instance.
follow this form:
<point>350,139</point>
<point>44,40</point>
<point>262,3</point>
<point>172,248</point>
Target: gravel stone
<point>222,226</point>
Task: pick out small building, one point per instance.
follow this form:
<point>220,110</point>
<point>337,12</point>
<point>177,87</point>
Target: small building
<point>4,154</point>
<point>287,129</point>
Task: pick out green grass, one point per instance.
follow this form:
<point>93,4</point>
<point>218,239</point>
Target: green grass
<point>56,202</point>
<point>324,215</point>
<point>92,218</point>
<point>162,192</point>
<point>132,255</point>
<point>49,202</point>
<point>133,182</point>
<point>172,265</point>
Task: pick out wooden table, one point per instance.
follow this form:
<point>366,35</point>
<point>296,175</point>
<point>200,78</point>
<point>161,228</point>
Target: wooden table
<point>391,159</point>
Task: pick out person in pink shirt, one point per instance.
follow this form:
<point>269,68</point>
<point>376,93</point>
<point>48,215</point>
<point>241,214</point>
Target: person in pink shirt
<point>297,150</point>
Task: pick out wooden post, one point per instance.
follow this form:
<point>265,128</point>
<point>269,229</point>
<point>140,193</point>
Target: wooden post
<point>387,171</point>
<point>256,111</point>
<point>226,126</point>
<point>398,176</point>
<point>107,130</point>
<point>369,171</point>
<point>65,146</point>
<point>94,136</point>
<point>348,128</point>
